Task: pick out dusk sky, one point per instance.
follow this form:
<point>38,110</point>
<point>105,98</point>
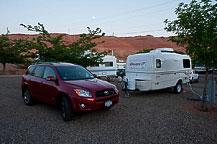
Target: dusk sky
<point>114,17</point>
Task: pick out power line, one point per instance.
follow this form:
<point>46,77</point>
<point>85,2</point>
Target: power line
<point>133,17</point>
<point>141,9</point>
<point>116,18</point>
<point>113,18</point>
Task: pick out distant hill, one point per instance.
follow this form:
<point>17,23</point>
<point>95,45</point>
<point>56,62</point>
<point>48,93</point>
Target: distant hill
<point>121,46</point>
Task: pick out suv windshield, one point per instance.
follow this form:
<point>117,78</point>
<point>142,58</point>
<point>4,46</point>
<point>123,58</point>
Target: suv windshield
<point>73,73</point>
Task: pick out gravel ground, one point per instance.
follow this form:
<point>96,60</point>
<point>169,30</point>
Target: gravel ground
<point>144,117</point>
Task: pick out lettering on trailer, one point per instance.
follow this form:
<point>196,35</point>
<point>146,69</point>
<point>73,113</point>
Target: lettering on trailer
<point>137,64</point>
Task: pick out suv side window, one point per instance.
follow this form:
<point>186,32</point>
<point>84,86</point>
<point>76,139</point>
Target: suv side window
<point>30,69</point>
<point>49,72</point>
<point>39,70</point>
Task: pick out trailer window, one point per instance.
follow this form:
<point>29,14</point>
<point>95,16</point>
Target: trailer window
<point>95,65</point>
<point>108,64</point>
<point>186,63</point>
<point>158,63</point>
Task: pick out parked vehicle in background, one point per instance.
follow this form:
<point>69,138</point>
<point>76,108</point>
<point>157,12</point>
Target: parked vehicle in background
<point>194,76</point>
<point>120,72</point>
<point>107,69</point>
<point>199,68</point>
<point>158,69</point>
<point>71,87</point>
<point>121,64</point>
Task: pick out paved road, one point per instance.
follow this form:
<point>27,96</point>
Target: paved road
<point>144,117</point>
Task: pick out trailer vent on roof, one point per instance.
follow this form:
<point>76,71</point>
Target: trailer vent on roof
<point>168,51</point>
<point>161,50</point>
<point>165,49</point>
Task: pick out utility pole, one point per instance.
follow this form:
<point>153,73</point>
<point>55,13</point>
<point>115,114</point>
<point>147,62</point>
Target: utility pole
<point>7,31</point>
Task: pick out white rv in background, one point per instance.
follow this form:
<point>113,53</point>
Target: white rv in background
<point>121,64</point>
<point>158,69</point>
<point>107,69</point>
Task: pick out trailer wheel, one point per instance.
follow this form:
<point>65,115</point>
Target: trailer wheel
<point>178,88</point>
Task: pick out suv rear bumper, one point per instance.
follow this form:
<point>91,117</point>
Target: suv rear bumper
<point>92,104</point>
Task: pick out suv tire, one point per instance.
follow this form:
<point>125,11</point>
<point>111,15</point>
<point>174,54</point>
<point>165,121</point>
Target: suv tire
<point>66,109</point>
<point>27,97</point>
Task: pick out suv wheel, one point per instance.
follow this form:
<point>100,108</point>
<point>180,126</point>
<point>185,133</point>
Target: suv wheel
<point>27,97</point>
<point>178,88</point>
<point>66,109</point>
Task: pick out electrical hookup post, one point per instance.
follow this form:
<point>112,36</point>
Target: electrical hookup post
<point>212,91</point>
<point>125,88</point>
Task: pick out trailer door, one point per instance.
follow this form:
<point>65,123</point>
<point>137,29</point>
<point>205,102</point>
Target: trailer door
<point>158,77</point>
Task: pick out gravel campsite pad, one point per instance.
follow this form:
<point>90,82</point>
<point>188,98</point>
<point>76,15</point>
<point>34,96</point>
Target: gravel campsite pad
<point>142,117</point>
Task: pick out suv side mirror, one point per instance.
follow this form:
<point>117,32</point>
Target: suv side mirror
<point>50,78</point>
<point>95,75</point>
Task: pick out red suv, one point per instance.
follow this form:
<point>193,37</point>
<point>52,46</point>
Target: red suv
<point>69,86</point>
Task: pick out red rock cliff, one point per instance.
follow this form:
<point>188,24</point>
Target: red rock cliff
<point>121,46</point>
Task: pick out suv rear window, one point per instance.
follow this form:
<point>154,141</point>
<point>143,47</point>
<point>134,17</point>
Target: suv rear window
<point>30,69</point>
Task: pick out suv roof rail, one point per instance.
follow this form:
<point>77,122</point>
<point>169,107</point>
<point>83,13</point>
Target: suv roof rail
<point>52,63</point>
<point>44,63</point>
<point>64,63</point>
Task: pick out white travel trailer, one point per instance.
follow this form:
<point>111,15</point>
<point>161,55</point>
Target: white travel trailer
<point>121,64</point>
<point>158,69</point>
<point>107,69</point>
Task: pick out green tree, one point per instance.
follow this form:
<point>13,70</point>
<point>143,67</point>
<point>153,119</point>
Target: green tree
<point>13,51</point>
<point>196,28</point>
<point>80,50</point>
<point>5,48</point>
<point>55,49</point>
